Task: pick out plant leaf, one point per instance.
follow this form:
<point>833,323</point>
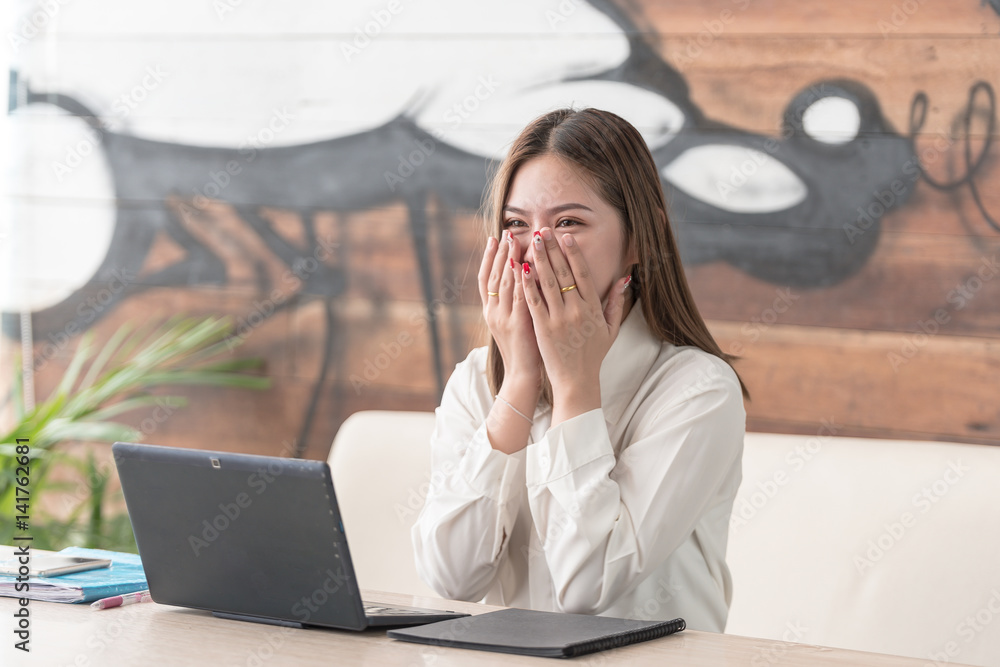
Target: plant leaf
<point>79,357</point>
<point>140,334</point>
<point>106,352</point>
<point>135,403</point>
<point>232,365</point>
<point>213,379</point>
<point>64,429</point>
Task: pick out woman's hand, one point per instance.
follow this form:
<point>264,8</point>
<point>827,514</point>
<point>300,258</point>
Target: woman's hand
<point>573,330</point>
<point>507,315</point>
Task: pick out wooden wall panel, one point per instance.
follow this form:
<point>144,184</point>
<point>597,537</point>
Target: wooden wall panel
<point>736,77</point>
<point>924,387</point>
<point>909,278</point>
<point>683,18</point>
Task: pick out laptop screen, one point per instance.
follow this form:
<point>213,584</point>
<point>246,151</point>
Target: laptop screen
<point>242,534</point>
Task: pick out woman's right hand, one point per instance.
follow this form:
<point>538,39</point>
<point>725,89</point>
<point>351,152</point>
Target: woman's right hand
<point>507,315</point>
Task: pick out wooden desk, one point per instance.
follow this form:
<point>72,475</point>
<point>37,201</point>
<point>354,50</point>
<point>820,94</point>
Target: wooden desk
<point>148,633</point>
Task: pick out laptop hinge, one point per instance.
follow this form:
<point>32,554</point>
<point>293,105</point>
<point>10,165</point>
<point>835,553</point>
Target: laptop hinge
<point>258,619</point>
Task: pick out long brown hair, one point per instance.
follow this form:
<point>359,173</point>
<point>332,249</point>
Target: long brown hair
<point>611,153</point>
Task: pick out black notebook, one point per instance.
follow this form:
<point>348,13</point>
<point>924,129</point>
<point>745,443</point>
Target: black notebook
<point>542,633</point>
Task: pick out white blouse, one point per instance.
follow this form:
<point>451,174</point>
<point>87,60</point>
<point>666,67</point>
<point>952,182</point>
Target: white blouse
<point>621,511</point>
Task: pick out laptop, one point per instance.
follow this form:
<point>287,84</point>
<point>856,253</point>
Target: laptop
<point>256,538</point>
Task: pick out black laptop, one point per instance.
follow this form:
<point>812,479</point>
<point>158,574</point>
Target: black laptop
<point>255,538</point>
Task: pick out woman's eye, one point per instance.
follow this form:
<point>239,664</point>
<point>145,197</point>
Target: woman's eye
<point>568,222</point>
<point>511,223</point>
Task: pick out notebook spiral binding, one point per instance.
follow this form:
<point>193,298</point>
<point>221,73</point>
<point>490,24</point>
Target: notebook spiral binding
<point>627,637</point>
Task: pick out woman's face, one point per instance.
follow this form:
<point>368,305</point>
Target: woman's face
<point>549,192</point>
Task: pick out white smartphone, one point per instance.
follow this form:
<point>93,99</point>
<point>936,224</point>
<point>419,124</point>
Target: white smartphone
<point>50,564</point>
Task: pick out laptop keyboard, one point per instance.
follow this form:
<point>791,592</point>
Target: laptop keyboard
<point>380,610</point>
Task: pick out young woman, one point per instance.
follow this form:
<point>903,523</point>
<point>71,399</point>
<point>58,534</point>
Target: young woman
<point>586,460</point>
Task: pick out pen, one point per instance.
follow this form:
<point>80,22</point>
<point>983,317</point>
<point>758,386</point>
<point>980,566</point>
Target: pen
<point>121,600</point>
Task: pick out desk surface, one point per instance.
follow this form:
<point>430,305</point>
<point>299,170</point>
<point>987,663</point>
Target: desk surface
<point>149,633</point>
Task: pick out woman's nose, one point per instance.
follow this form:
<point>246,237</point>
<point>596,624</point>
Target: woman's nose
<point>528,253</point>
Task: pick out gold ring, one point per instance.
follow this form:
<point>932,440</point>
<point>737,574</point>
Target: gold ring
<point>493,293</point>
<point>566,289</point>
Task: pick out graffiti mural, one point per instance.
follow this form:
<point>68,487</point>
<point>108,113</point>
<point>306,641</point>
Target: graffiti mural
<point>378,123</point>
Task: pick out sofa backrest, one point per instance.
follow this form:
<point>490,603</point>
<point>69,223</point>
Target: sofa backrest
<point>381,467</point>
<point>875,545</point>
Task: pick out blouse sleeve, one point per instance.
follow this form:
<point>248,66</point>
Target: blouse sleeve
<point>605,525</point>
<point>460,537</point>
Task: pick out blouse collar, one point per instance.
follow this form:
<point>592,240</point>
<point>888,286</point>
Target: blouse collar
<point>625,366</point>
<point>627,363</point>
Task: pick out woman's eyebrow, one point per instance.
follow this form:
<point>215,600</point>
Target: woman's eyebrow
<point>555,209</point>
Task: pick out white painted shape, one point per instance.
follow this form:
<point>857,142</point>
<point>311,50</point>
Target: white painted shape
<point>832,120</point>
<point>489,126</point>
<point>219,94</point>
<point>319,18</point>
<point>296,58</point>
<point>61,229</point>
<point>736,178</point>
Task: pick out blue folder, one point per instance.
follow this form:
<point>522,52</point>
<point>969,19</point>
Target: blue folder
<point>124,576</point>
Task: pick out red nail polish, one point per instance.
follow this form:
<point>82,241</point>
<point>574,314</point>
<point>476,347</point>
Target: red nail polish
<point>512,262</point>
<point>536,234</point>
<point>628,281</point>
<point>527,269</point>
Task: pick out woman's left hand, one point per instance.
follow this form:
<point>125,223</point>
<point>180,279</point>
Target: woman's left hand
<point>573,330</point>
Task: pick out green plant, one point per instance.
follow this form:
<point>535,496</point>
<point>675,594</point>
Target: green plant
<point>180,351</point>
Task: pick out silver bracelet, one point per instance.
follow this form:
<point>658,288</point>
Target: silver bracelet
<point>529,419</point>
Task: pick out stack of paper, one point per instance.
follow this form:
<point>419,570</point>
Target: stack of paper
<point>124,576</point>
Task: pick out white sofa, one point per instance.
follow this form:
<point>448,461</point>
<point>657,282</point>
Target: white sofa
<point>381,466</point>
<point>875,545</point>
